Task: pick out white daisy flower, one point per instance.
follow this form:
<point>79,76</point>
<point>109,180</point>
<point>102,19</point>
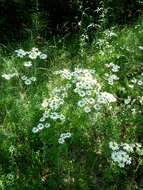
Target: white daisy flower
<point>87,109</point>
<point>96,107</point>
<point>61,141</point>
<point>27,82</point>
<point>27,64</point>
<point>32,55</point>
<point>47,125</point>
<point>62,117</point>
<point>140,82</point>
<point>81,93</point>
<point>35,130</point>
<point>24,77</point>
<point>113,145</point>
<point>7,76</point>
<point>33,79</point>
<point>40,126</point>
<point>43,56</point>
<point>140,47</point>
<point>45,104</point>
<point>42,119</point>
<point>108,96</point>
<point>81,103</point>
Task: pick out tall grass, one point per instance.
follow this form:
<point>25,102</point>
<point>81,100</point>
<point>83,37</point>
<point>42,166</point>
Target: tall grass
<point>75,143</point>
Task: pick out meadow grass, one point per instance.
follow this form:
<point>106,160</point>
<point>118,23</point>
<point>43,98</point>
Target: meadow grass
<point>91,137</point>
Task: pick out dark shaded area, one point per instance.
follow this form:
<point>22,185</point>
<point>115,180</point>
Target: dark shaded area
<point>61,16</point>
<point>15,17</point>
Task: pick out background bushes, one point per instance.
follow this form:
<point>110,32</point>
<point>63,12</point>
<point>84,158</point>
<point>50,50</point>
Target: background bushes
<point>62,16</point>
<point>15,17</point>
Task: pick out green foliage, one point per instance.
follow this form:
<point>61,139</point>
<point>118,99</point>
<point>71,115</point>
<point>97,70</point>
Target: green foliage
<point>40,160</point>
<point>20,19</point>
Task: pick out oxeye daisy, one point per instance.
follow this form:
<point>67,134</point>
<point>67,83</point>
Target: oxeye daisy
<point>27,64</point>
<point>40,126</point>
<point>27,82</point>
<point>47,125</point>
<point>35,130</point>
<point>87,109</point>
<point>43,56</point>
<point>45,104</point>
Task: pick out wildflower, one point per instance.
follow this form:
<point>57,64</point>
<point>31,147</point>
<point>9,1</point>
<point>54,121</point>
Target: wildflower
<point>107,65</point>
<point>20,53</point>
<point>46,114</point>
<point>36,51</point>
<point>33,55</point>
<point>81,93</point>
<point>128,100</point>
<point>47,125</point>
<point>140,47</point>
<point>88,93</point>
<point>121,164</point>
<point>63,136</point>
<point>127,147</point>
<point>134,80</point>
<point>24,77</point>
<point>114,156</point>
<point>102,100</point>
<point>45,104</point>
<point>131,86</point>
<point>40,126</point>
<point>87,109</point>
<point>27,64</point>
<point>68,135</point>
<point>27,82</point>
<point>61,141</point>
<point>109,97</point>
<point>140,82</point>
<point>91,101</point>
<point>42,119</point>
<point>96,107</point>
<point>54,116</point>
<point>7,76</point>
<point>113,145</point>
<point>115,68</point>
<point>55,102</point>
<point>62,117</point>
<point>35,130</point>
<point>43,56</point>
<point>81,103</point>
<point>33,79</point>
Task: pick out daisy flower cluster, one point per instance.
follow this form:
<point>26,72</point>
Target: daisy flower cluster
<point>86,86</point>
<point>27,64</point>
<point>40,126</point>
<point>34,53</point>
<point>114,68</point>
<point>112,77</point>
<point>121,153</point>
<point>87,90</point>
<point>27,80</point>
<point>51,106</point>
<point>137,81</point>
<point>9,76</point>
<point>53,103</point>
<point>62,91</point>
<point>64,136</point>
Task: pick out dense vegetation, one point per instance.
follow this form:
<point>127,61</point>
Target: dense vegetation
<point>20,18</point>
<point>71,91</point>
